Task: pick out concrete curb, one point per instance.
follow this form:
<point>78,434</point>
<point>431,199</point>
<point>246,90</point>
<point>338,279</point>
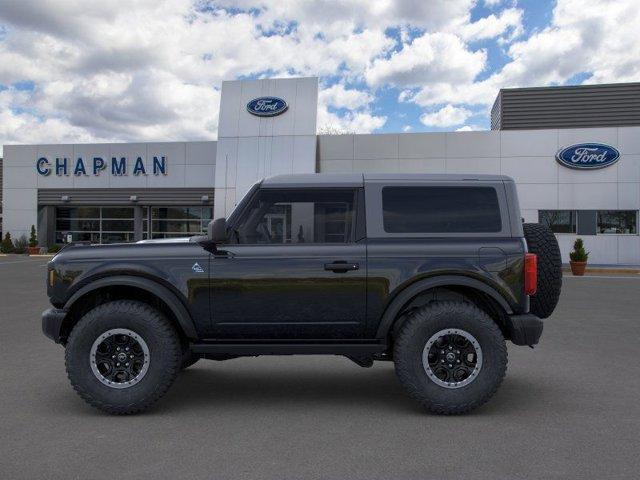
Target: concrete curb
<point>606,271</point>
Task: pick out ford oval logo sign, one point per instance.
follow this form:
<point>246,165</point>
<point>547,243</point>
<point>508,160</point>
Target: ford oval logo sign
<point>267,106</point>
<point>588,156</point>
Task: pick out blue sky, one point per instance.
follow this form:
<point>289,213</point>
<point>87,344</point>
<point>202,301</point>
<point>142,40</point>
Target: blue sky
<point>77,71</point>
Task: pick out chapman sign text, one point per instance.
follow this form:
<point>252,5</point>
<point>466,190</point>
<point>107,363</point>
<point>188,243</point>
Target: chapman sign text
<point>117,166</point>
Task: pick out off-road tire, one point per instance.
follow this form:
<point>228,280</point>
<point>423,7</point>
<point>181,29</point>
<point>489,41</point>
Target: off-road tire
<point>542,242</point>
<point>414,334</point>
<point>164,352</point>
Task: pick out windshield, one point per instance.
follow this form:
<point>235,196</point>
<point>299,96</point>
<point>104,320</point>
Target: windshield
<point>240,206</point>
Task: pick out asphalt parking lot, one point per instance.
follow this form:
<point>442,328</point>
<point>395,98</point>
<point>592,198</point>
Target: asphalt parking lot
<point>568,409</point>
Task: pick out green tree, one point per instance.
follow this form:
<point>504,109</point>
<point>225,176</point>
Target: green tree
<point>33,237</point>
<point>7,244</point>
<point>20,244</point>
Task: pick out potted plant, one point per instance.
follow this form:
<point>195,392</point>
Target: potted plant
<point>7,244</point>
<point>578,258</point>
<point>33,242</point>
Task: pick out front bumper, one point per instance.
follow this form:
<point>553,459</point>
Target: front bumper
<point>52,320</point>
<point>524,329</point>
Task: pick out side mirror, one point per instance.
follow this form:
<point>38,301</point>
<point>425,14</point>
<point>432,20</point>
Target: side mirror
<point>217,230</point>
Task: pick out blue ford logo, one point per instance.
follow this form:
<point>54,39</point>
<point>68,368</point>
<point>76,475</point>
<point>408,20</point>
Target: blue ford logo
<point>588,156</point>
<point>267,106</point>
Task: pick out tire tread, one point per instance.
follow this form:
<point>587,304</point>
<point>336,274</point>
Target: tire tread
<point>164,329</point>
<point>407,335</point>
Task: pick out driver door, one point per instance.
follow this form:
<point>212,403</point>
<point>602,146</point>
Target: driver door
<point>293,268</point>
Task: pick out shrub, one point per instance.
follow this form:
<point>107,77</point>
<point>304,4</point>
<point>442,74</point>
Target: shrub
<point>20,244</point>
<point>579,254</point>
<point>55,248</point>
<point>33,237</point>
<point>7,244</point>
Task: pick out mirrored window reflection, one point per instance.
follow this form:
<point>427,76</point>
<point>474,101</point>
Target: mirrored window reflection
<point>617,222</point>
<point>176,221</point>
<point>559,221</point>
<point>94,224</point>
<point>292,217</point>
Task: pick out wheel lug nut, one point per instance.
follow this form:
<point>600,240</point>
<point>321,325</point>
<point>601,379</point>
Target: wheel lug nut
<point>131,356</point>
<point>118,349</point>
<point>113,356</point>
<point>450,365</point>
<point>450,348</point>
<point>457,351</point>
<point>127,349</point>
<point>117,364</point>
<point>126,364</point>
<point>458,361</point>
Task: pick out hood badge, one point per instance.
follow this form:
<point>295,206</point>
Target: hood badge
<point>197,268</point>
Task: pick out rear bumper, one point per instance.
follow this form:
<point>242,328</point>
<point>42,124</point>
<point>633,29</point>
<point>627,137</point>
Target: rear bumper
<point>52,323</point>
<point>524,329</point>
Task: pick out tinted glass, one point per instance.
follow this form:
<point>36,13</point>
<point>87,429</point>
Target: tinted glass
<point>617,221</point>
<point>559,221</point>
<point>440,210</point>
<point>178,221</point>
<point>290,216</point>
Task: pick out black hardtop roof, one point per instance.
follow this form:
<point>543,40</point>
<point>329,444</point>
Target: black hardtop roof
<point>359,179</point>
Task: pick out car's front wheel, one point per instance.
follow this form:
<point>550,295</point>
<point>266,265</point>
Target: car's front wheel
<point>122,356</point>
<point>450,356</point>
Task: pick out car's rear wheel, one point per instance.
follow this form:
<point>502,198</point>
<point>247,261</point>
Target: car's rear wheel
<point>542,242</point>
<point>122,356</point>
<point>450,356</point>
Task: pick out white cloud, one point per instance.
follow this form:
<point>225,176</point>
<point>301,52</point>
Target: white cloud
<point>407,128</point>
<point>151,70</point>
<point>509,22</point>
<point>447,116</point>
<point>593,37</point>
<point>358,122</point>
<point>469,128</point>
<point>432,57</point>
<point>340,97</point>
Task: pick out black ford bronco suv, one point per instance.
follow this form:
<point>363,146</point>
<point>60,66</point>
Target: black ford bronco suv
<point>432,272</point>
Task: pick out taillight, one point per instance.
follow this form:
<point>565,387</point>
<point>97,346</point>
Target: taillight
<point>530,273</point>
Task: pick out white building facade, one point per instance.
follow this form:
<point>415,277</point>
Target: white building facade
<point>126,192</point>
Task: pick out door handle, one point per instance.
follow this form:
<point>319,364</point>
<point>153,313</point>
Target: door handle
<point>341,266</point>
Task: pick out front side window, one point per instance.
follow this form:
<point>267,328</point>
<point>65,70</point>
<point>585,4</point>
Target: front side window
<point>440,210</point>
<point>559,221</point>
<point>296,216</point>
<point>618,221</point>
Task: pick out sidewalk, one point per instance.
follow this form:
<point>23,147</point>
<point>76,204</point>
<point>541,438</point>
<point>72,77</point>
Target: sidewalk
<point>622,270</point>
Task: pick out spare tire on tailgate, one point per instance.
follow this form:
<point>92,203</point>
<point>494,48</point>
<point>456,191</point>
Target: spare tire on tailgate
<point>542,242</point>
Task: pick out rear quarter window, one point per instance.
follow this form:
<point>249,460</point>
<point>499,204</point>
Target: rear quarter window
<point>441,209</point>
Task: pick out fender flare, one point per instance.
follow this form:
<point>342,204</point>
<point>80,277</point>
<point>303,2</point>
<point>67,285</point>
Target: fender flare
<point>393,309</point>
<point>163,293</point>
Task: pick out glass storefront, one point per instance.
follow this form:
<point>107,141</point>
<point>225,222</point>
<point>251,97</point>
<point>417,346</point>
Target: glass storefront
<point>94,224</point>
<point>167,222</point>
<point>117,224</point>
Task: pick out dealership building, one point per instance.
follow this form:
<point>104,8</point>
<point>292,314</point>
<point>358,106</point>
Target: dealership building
<point>574,153</point>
